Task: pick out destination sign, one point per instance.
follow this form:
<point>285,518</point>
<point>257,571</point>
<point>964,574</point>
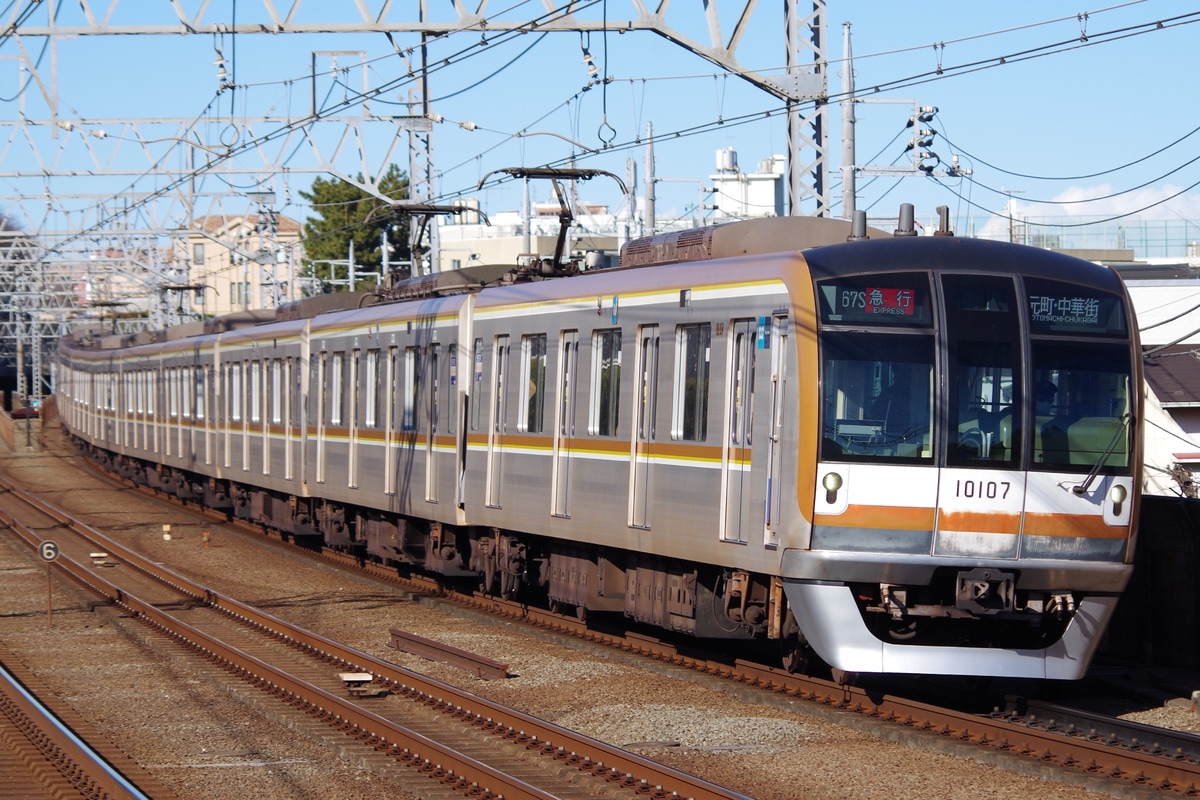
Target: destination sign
<point>1071,310</point>
<point>895,299</point>
<point>1058,307</point>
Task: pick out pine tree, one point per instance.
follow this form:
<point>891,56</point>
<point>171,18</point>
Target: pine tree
<point>345,213</point>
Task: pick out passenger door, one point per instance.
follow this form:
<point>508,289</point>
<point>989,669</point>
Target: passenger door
<point>499,427</point>
<point>564,423</point>
<point>777,342</point>
<point>432,366</point>
<point>736,504</point>
<point>644,431</point>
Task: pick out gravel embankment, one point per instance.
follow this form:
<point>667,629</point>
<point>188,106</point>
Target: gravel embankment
<point>206,743</point>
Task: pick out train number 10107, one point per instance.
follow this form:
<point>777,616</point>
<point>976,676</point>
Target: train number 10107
<point>982,490</point>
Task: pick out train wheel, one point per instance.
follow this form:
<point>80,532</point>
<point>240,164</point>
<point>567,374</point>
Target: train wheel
<point>843,678</point>
<point>487,582</point>
<point>793,644</point>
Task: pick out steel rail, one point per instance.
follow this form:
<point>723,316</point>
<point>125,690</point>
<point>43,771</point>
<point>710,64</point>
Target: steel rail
<point>74,759</point>
<point>479,666</point>
<point>381,733</point>
<point>553,740</point>
<point>1067,749</point>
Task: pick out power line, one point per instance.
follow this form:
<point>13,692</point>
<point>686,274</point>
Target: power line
<point>1031,223</point>
<point>1102,173</point>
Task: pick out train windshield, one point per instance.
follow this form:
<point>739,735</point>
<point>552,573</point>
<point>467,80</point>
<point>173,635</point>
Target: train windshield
<point>983,354</point>
<point>1082,384</point>
<point>878,398</point>
<point>1067,409</point>
<point>878,386</point>
<point>1081,415</point>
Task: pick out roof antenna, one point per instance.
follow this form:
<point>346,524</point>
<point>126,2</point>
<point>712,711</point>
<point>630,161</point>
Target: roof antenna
<point>907,225</point>
<point>858,229</point>
<point>943,222</point>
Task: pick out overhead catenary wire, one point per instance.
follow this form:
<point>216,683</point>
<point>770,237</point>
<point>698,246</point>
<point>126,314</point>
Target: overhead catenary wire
<point>1099,174</point>
<point>1109,196</point>
<point>1092,39</point>
<point>1171,319</point>
<point>1033,223</point>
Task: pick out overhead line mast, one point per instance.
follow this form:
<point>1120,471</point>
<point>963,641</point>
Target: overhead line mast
<point>135,222</point>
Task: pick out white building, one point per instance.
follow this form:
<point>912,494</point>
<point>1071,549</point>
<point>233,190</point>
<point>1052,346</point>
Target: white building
<point>242,262</point>
<point>738,195</point>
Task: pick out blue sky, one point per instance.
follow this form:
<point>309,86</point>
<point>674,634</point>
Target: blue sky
<point>1083,90</point>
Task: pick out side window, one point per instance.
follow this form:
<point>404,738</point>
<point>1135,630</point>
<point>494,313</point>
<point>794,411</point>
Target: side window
<point>172,392</point>
<point>533,384</point>
<point>277,391</point>
<point>254,401</point>
<point>500,385</point>
<point>185,391</point>
<point>604,409</point>
<point>353,388</point>
<point>568,366</point>
<point>292,381</point>
<point>337,382</point>
<point>452,417</point>
<point>200,396</point>
<point>393,377</point>
<point>371,413</point>
<point>689,418</point>
<point>435,360</point>
<point>412,358</point>
<point>235,392</point>
<point>476,383</point>
<point>316,365</point>
<point>741,400</point>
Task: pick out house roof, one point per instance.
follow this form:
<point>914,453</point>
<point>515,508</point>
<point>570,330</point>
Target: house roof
<point>1173,374</point>
<point>219,222</point>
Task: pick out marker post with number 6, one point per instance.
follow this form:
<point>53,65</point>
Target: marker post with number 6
<point>49,553</point>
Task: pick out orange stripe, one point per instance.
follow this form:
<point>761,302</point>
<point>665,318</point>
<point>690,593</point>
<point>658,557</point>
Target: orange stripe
<point>979,522</point>
<point>1066,526</point>
<point>900,518</point>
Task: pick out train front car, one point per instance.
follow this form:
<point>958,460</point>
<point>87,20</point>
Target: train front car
<point>976,490</point>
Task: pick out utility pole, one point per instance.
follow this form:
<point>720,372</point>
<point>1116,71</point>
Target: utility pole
<point>650,180</point>
<point>849,179</point>
<point>1010,212</point>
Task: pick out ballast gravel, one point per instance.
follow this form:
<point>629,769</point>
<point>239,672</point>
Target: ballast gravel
<point>205,741</point>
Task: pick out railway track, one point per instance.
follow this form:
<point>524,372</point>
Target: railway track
<point>1041,742</point>
<point>478,747</point>
<point>46,750</point>
<point>1043,738</point>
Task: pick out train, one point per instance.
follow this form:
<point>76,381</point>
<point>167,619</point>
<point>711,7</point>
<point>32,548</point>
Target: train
<point>889,452</point>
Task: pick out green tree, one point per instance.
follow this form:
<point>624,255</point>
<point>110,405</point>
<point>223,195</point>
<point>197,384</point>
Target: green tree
<point>344,213</point>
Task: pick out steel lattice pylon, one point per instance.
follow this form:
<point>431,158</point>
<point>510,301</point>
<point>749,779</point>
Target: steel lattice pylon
<point>73,223</point>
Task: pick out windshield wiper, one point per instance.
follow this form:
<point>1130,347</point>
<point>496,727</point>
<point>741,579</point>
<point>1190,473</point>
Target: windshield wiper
<point>1081,488</point>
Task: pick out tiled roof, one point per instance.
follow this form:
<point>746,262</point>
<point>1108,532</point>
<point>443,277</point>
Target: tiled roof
<point>217,222</point>
<point>1174,375</point>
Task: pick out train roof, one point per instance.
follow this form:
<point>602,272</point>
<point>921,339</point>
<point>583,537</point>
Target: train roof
<point>749,237</point>
<point>830,246</point>
<point>962,254</point>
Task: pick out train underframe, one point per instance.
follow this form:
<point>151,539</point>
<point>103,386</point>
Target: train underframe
<point>689,598</point>
<point>698,600</point>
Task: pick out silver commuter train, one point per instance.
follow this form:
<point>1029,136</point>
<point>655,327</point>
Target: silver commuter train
<point>905,454</point>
